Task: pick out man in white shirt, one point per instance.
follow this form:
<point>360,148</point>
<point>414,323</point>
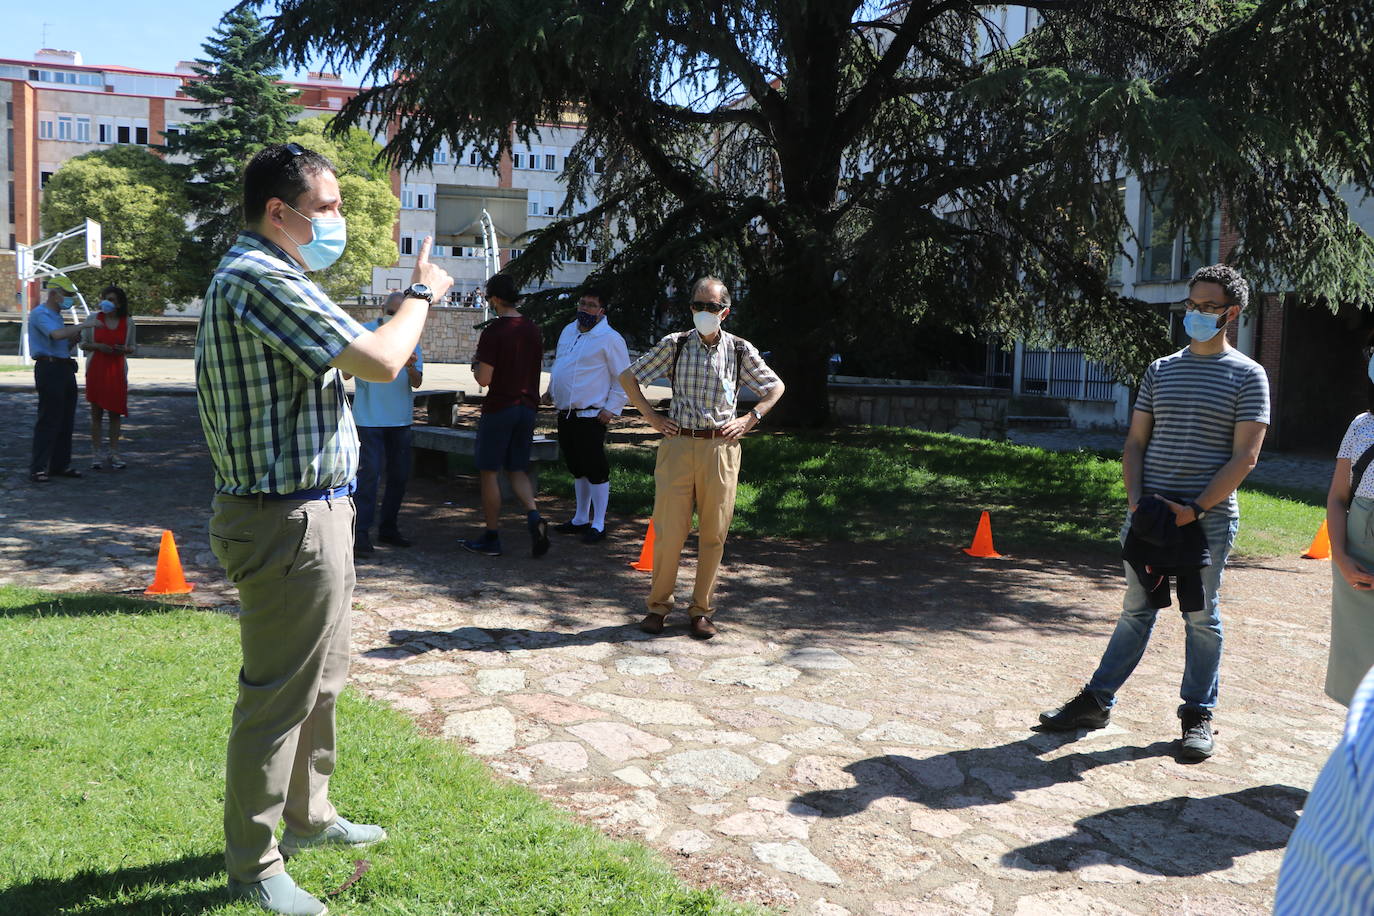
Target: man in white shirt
<point>584,385</point>
<point>383,412</point>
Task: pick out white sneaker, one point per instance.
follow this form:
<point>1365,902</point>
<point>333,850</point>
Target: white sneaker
<point>278,894</point>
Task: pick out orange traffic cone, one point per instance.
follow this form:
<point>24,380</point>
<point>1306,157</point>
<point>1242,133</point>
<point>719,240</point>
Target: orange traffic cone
<point>168,580</point>
<point>646,553</point>
<point>982,539</point>
<point>1321,545</point>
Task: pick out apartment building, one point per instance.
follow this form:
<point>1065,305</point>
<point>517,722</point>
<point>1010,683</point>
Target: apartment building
<point>57,107</point>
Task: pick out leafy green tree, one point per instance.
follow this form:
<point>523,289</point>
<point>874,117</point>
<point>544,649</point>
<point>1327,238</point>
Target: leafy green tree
<point>245,108</point>
<point>855,166</point>
<point>138,199</point>
<point>368,203</point>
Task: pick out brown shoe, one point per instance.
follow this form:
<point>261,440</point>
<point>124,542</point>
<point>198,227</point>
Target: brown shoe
<point>653,623</point>
<point>702,627</point>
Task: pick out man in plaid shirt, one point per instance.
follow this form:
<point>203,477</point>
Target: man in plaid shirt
<point>698,457</point>
<point>268,354</point>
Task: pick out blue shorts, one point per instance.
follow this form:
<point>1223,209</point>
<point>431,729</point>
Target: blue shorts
<point>504,437</point>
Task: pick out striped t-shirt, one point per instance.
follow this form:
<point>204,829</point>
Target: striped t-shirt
<point>1197,402</point>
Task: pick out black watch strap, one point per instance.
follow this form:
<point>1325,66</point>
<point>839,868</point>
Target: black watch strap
<point>419,291</point>
<point>1198,511</point>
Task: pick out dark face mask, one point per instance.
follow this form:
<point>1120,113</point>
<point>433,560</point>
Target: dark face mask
<point>587,321</point>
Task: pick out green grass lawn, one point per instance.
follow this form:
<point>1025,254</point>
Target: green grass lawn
<point>885,484</point>
<point>112,748</point>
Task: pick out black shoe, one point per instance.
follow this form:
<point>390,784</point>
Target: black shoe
<point>570,527</point>
<point>1083,711</point>
<point>395,540</point>
<point>539,538</point>
<point>1197,742</point>
<point>593,535</point>
<point>362,547</point>
<point>487,546</point>
<point>39,477</point>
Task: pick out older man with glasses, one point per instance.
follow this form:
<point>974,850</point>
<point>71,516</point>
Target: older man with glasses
<point>699,455</point>
<point>1196,432</point>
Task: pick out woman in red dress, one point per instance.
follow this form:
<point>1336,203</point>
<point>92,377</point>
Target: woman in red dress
<point>110,344</point>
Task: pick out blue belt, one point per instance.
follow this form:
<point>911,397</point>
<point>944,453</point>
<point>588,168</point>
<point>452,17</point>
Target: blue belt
<point>319,493</point>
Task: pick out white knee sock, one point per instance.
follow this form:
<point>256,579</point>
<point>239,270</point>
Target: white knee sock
<point>583,488</point>
<point>601,494</point>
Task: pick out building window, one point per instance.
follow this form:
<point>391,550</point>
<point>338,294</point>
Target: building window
<point>407,197</point>
<point>105,131</point>
<point>472,156</point>
<point>441,154</point>
<point>439,251</point>
<point>1170,251</point>
<point>43,178</point>
<point>64,127</point>
<point>46,129</point>
<point>83,130</point>
<point>515,252</point>
<point>407,244</point>
<point>141,136</point>
<point>550,162</point>
<point>517,160</point>
<point>122,133</point>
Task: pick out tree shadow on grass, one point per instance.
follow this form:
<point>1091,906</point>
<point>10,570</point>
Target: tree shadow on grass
<point>175,886</point>
<point>77,604</point>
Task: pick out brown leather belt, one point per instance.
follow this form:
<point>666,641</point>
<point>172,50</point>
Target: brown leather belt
<point>702,433</point>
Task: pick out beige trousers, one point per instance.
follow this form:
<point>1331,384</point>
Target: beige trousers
<point>700,473</point>
<point>293,565</point>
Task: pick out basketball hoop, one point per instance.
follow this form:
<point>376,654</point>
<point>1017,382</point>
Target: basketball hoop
<point>33,262</point>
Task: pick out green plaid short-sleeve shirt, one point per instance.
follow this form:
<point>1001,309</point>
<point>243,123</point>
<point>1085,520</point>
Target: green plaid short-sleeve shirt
<point>274,412</point>
<point>706,380</point>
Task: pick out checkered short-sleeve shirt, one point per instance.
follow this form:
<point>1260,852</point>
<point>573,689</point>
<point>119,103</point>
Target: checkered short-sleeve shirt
<point>706,380</point>
<point>273,410</point>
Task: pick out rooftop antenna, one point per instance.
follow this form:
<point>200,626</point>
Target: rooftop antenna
<point>46,26</point>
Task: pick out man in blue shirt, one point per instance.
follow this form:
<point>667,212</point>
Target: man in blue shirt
<point>51,341</point>
<point>383,412</point>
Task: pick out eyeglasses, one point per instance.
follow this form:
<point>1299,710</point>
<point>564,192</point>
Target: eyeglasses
<point>1207,308</point>
<point>712,307</point>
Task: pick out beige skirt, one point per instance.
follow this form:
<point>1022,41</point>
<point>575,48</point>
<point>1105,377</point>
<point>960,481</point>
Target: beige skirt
<point>1352,612</point>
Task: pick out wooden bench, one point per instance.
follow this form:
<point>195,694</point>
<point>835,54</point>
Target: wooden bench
<point>430,443</point>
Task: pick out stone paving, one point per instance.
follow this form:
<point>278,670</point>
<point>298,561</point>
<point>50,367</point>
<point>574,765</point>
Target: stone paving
<point>857,740</point>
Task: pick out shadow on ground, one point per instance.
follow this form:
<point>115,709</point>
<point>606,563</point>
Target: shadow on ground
<point>162,887</point>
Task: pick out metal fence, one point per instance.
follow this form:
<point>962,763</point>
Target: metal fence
<point>1065,373</point>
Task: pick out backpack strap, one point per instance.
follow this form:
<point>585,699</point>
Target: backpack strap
<point>677,355</point>
<point>1357,471</point>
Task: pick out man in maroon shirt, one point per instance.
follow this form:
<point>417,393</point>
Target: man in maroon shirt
<point>509,354</point>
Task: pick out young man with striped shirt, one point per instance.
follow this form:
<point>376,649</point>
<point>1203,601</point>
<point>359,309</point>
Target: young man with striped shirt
<point>1196,432</point>
<point>269,351</point>
<point>698,457</point>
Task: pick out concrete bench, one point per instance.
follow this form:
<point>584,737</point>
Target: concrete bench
<point>439,404</point>
<point>429,444</point>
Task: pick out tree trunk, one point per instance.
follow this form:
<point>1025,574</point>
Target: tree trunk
<point>803,370</point>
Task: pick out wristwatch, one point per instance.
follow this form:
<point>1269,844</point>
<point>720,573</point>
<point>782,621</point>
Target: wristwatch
<point>419,291</point>
<point>757,416</point>
<point>1198,511</point>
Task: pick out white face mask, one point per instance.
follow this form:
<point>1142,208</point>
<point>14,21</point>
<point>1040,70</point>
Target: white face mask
<point>707,323</point>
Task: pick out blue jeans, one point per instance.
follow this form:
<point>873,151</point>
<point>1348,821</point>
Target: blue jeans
<point>1202,647</point>
<point>381,446</point>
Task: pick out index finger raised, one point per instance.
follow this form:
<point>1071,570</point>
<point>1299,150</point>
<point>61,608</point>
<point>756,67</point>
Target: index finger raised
<point>424,249</point>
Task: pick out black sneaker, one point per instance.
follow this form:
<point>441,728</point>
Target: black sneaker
<point>487,546</point>
<point>539,538</point>
<point>571,527</point>
<point>395,539</point>
<point>593,535</point>
<point>1083,711</point>
<point>1197,742</point>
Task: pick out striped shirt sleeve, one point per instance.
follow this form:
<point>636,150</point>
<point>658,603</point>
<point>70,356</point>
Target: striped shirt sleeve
<point>1145,397</point>
<point>296,319</point>
<point>657,362</point>
<point>1252,405</point>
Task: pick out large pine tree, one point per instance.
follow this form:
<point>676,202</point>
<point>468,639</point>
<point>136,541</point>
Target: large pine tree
<point>245,107</point>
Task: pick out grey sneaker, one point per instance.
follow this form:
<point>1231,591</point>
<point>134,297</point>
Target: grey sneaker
<point>278,894</point>
<point>1083,711</point>
<point>1197,742</point>
<point>339,833</point>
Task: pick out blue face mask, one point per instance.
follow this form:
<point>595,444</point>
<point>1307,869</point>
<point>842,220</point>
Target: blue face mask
<point>107,306</point>
<point>1201,327</point>
<point>587,321</point>
<point>328,236</point>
